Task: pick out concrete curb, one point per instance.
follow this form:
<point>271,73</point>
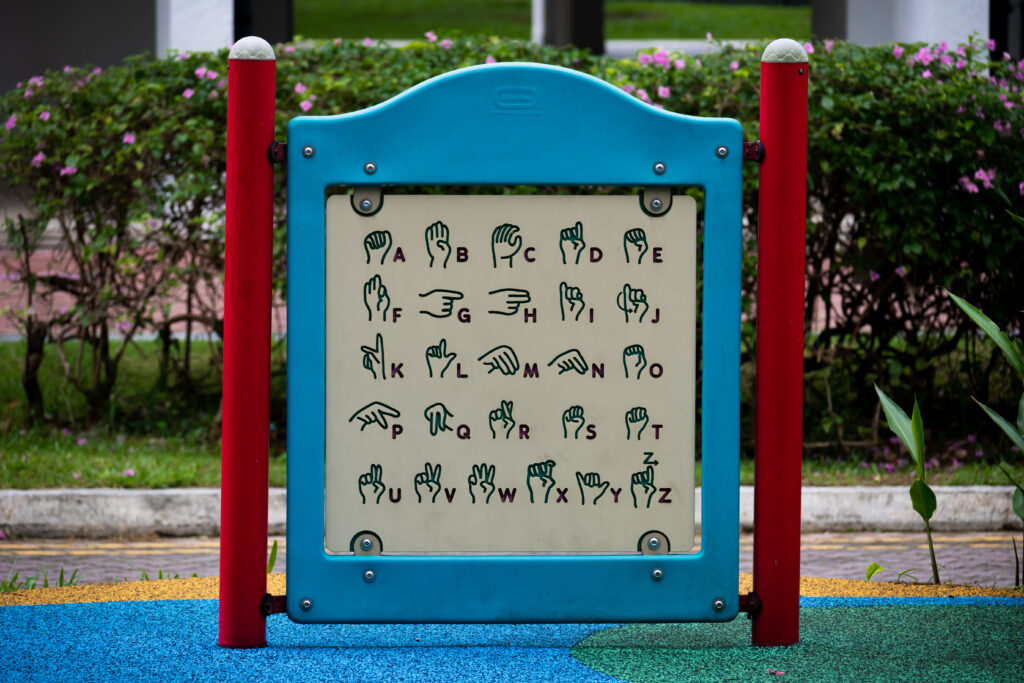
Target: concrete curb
<point>100,513</point>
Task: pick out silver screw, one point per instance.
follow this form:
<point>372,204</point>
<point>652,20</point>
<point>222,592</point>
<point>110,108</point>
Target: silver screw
<point>653,542</point>
<point>659,167</point>
<point>366,205</point>
<point>308,151</point>
<point>656,205</point>
<point>370,168</point>
<point>366,542</point>
<point>657,574</point>
<point>718,604</point>
<point>369,576</point>
<point>306,604</point>
<point>721,151</point>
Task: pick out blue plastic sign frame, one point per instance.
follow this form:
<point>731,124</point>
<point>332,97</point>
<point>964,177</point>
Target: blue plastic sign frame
<point>513,124</point>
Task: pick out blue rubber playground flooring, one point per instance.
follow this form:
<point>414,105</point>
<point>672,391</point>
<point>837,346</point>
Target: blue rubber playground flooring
<point>842,638</point>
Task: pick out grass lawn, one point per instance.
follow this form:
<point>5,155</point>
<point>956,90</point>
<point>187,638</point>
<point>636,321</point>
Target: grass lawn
<point>511,18</point>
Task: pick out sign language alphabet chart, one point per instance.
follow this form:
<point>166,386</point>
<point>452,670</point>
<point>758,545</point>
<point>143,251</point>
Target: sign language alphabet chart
<point>510,374</point>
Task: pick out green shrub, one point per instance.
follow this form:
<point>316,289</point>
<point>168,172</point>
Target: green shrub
<point>912,163</point>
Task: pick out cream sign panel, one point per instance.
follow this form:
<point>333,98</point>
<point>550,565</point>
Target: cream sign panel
<point>510,374</point>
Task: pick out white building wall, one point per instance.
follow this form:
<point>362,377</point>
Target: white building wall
<point>184,25</point>
<point>877,22</point>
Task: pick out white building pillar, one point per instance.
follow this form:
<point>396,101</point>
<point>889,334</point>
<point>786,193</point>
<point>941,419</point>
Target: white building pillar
<point>200,25</point>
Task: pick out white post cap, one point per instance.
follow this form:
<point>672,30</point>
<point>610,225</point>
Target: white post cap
<point>785,50</point>
<point>252,47</point>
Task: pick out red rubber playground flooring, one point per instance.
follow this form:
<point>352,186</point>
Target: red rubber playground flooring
<point>850,630</point>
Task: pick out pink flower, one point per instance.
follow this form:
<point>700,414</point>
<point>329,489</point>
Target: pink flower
<point>37,160</point>
<point>828,45</point>
<point>212,75</point>
<point>45,115</point>
<point>97,71</point>
<point>289,50</point>
<point>200,72</point>
<point>709,36</point>
<point>28,94</point>
<point>642,94</point>
<point>69,170</point>
<point>961,50</point>
<point>927,73</point>
<point>901,271</point>
<point>82,441</point>
<point>943,46</point>
<point>990,45</point>
<point>446,44</point>
<point>305,105</point>
<point>65,431</point>
<point>490,60</point>
<point>367,42</point>
<point>188,93</point>
<point>663,91</point>
<point>76,475</point>
<point>734,65</point>
<point>961,62</point>
<point>924,56</point>
<point>986,177</point>
<point>183,56</point>
<point>299,88</point>
<point>946,60</point>
<point>808,48</point>
<point>67,69</point>
<point>658,106</point>
<point>1002,127</point>
<point>128,139</point>
<point>628,89</point>
<point>897,52</point>
<point>967,185</point>
<point>128,473</point>
<point>680,64</point>
<point>873,276</point>
<point>11,122</point>
<point>661,57</point>
<point>220,83</point>
<point>646,58</point>
<point>1020,188</point>
<point>431,36</point>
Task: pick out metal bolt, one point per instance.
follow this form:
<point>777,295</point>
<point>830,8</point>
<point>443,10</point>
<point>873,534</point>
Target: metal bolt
<point>653,543</point>
<point>656,205</point>
<point>659,167</point>
<point>718,604</point>
<point>306,604</point>
<point>657,574</point>
<point>721,151</point>
<point>308,151</point>
<point>366,205</point>
<point>369,576</point>
<point>370,168</point>
<point>366,543</point>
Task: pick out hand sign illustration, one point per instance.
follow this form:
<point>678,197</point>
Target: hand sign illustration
<point>439,249</point>
<point>373,357</point>
<point>438,359</point>
<point>570,299</point>
<point>377,243</point>
<point>501,358</point>
<point>540,479</point>
<point>376,299</point>
<point>508,300</point>
<point>501,420</point>
<point>636,422</point>
<point>571,243</point>
<point>370,485</point>
<point>634,359</point>
<point>572,422</point>
<point>505,243</point>
<point>374,413</point>
<point>634,241</point>
<point>439,302</point>
<point>632,302</point>
<point>591,485</point>
<point>481,483</point>
<point>437,417</point>
<point>428,482</point>
<point>642,487</point>
<point>571,360</point>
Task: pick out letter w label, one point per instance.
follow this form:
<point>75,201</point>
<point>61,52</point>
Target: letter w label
<point>507,495</point>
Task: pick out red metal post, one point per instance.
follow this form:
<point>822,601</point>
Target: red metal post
<point>245,439</point>
<point>780,342</point>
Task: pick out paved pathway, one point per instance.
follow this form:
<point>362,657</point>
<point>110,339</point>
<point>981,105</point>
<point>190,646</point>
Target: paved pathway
<point>983,559</point>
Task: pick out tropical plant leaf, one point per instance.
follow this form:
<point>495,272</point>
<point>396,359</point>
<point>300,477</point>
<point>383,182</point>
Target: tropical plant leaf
<point>273,557</point>
<point>1018,503</point>
<point>1020,415</point>
<point>1016,437</point>
<point>917,428</point>
<point>1011,352</point>
<point>873,569</point>
<point>898,421</point>
<point>923,499</point>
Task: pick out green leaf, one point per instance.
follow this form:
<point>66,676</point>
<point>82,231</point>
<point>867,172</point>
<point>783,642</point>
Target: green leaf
<point>1020,415</point>
<point>873,569</point>
<point>1016,437</point>
<point>917,427</point>
<point>992,330</point>
<point>1006,473</point>
<point>273,557</point>
<point>827,103</point>
<point>899,423</point>
<point>1018,503</point>
<point>923,499</point>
